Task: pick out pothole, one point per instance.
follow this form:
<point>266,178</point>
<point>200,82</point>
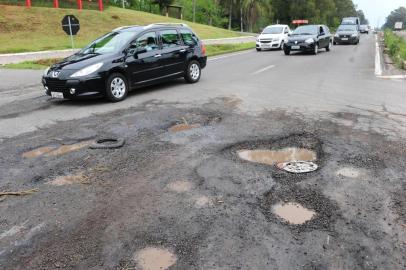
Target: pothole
<point>349,172</point>
<point>79,178</point>
<point>183,126</point>
<point>64,149</point>
<point>180,186</point>
<point>293,213</point>
<point>202,201</point>
<point>300,209</point>
<point>53,151</point>
<point>272,157</point>
<point>153,258</point>
<point>38,152</point>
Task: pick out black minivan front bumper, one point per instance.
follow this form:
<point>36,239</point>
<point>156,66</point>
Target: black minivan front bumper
<point>75,88</point>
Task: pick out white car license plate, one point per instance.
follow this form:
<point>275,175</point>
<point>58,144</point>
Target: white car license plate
<point>295,47</point>
<point>56,95</point>
<point>344,38</point>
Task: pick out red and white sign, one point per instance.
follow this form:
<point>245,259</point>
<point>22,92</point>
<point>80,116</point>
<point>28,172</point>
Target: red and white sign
<point>300,22</point>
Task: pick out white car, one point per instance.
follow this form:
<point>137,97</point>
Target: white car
<point>273,37</point>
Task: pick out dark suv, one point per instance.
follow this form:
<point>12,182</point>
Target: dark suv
<point>127,58</point>
<point>309,38</point>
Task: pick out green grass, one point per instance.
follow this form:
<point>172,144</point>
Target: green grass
<point>211,50</point>
<point>396,46</point>
<point>39,28</point>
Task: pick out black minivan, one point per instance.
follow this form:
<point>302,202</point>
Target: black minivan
<point>127,58</point>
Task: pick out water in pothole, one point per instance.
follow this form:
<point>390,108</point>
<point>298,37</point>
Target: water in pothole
<point>37,152</point>
<point>79,178</point>
<point>293,213</point>
<point>271,157</point>
<point>152,258</point>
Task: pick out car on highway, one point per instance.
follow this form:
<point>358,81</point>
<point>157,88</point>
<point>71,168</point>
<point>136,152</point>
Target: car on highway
<point>125,59</point>
<point>364,29</point>
<point>309,38</point>
<point>347,34</point>
<point>352,20</point>
<point>273,37</point>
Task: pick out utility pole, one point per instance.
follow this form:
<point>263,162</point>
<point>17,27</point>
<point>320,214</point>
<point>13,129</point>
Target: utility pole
<point>123,1</point>
<point>242,26</point>
<point>194,10</point>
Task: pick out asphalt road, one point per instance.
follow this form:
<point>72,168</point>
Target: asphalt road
<point>188,192</point>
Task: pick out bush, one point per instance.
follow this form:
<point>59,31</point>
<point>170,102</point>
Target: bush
<point>396,46</point>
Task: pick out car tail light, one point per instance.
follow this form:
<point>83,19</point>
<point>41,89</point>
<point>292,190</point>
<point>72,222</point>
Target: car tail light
<point>203,48</point>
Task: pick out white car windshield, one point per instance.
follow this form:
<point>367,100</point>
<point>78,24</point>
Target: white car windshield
<point>273,30</point>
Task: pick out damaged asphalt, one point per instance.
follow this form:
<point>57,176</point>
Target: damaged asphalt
<point>124,205</point>
<point>178,195</point>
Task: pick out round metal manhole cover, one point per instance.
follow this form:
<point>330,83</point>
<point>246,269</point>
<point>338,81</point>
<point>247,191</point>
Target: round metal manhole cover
<point>298,166</point>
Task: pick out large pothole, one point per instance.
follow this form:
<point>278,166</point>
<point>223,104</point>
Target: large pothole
<point>272,157</point>
<point>152,258</point>
<point>299,208</point>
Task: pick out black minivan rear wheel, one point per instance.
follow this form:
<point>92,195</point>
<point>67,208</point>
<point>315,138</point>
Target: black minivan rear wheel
<point>193,72</point>
<point>116,87</point>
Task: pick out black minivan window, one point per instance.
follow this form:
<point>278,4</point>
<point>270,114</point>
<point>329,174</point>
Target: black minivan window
<point>170,38</point>
<point>148,42</point>
<point>188,37</point>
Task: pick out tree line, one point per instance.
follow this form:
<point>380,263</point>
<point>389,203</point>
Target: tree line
<point>253,15</point>
<point>398,15</point>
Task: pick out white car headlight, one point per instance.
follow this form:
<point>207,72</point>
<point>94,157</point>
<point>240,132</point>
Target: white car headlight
<point>87,70</point>
<point>309,40</point>
<point>46,71</point>
<point>354,35</point>
<point>336,35</point>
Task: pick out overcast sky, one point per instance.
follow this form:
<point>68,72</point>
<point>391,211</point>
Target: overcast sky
<point>378,9</point>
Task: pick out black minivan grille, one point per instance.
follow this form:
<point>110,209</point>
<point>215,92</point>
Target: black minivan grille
<point>56,85</point>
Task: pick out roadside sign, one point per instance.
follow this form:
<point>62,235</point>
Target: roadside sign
<point>71,26</point>
<point>300,22</point>
<point>398,25</point>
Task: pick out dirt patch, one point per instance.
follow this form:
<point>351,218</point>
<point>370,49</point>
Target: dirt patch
<point>180,186</point>
<point>271,157</point>
<point>153,258</point>
<point>326,212</point>
<point>293,213</point>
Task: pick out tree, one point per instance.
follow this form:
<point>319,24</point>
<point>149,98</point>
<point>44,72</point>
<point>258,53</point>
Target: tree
<point>362,17</point>
<point>398,15</point>
<point>253,10</point>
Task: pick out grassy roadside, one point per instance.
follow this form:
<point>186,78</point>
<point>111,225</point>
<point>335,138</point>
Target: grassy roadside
<point>211,50</point>
<point>39,28</point>
<point>396,48</point>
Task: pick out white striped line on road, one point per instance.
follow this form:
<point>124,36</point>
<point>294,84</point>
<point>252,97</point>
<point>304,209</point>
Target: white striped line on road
<point>378,66</point>
<point>394,77</point>
<point>228,55</point>
<point>263,69</point>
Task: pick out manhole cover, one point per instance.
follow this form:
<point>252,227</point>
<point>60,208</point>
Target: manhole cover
<point>298,166</point>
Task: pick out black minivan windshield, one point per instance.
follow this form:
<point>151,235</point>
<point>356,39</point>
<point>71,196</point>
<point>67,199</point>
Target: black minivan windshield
<point>111,43</point>
<point>273,30</point>
<point>306,30</point>
<point>348,28</point>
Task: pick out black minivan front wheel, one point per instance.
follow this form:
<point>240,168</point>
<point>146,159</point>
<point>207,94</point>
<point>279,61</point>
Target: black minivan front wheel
<point>193,72</point>
<point>116,87</point>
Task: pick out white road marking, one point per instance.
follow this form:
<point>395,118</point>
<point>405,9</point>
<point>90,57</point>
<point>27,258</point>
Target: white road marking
<point>228,55</point>
<point>394,77</point>
<point>263,69</point>
<point>378,67</point>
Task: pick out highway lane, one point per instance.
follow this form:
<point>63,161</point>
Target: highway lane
<point>340,80</point>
